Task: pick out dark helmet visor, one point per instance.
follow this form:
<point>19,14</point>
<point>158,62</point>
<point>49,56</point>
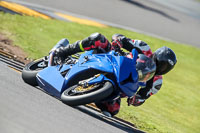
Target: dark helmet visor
<point>146,68</point>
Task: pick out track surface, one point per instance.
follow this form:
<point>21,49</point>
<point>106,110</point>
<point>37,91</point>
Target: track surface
<point>173,20</point>
<point>26,109</point>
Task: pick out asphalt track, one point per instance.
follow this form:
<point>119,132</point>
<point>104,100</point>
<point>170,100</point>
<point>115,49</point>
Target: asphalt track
<point>171,20</point>
<point>24,108</point>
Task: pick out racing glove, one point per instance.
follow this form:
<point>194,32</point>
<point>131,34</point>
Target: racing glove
<point>135,100</point>
<point>119,40</point>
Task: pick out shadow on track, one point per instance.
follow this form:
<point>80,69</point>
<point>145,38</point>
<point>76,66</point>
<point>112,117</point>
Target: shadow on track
<point>151,9</point>
<point>116,122</point>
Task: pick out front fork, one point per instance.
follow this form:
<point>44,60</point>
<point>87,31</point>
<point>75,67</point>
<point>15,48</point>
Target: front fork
<point>98,78</point>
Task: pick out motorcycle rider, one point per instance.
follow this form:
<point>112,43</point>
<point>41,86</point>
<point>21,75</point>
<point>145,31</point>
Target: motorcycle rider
<point>164,58</point>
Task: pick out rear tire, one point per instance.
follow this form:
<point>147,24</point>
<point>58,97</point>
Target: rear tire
<point>30,71</point>
<point>97,93</point>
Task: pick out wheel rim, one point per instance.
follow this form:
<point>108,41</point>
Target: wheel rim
<point>80,90</point>
<point>38,65</point>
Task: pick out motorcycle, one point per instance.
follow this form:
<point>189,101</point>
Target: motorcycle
<point>86,78</point>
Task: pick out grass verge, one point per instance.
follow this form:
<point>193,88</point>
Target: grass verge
<point>175,109</point>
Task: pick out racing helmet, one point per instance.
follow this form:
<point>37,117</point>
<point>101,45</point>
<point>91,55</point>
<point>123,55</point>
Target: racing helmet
<point>165,60</point>
<point>146,67</point>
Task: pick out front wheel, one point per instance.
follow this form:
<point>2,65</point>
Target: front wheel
<point>31,69</point>
<point>78,95</point>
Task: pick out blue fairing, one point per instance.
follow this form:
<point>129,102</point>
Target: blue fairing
<point>51,80</point>
<point>95,61</point>
<point>99,62</point>
<point>126,77</point>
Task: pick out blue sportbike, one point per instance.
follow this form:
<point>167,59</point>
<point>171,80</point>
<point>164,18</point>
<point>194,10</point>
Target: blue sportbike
<point>86,78</point>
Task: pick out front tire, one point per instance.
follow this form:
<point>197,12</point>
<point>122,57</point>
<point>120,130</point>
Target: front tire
<point>31,69</point>
<point>96,93</point>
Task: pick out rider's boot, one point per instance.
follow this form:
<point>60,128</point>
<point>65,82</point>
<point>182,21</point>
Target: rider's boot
<point>68,50</point>
<point>62,43</point>
<point>106,113</point>
<point>109,108</point>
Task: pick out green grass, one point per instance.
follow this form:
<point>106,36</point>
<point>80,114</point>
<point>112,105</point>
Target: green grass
<point>175,109</point>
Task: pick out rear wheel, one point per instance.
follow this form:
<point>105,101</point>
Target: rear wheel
<point>31,69</point>
<point>79,95</point>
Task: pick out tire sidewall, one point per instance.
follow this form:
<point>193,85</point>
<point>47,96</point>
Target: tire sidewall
<point>94,96</point>
<point>28,75</point>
